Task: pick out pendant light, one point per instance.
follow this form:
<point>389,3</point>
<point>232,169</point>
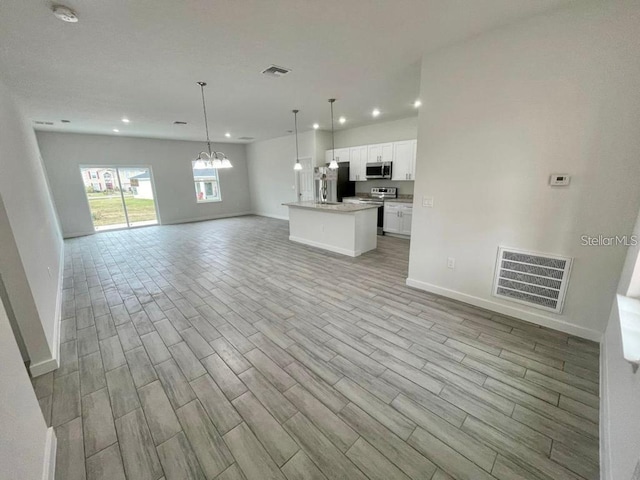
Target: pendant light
<point>212,159</point>
<point>333,165</point>
<point>298,165</point>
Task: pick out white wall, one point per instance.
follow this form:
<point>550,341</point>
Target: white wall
<point>272,180</point>
<point>31,252</point>
<point>619,390</point>
<point>380,132</point>
<point>557,93</point>
<point>170,161</point>
<point>24,450</point>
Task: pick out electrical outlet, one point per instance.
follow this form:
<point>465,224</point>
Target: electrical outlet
<point>451,262</point>
<point>427,202</point>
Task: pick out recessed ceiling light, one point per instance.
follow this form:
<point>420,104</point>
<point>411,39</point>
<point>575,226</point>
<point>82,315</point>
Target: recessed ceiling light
<point>228,135</point>
<point>316,126</point>
<point>116,130</point>
<point>125,120</point>
<point>342,119</point>
<point>417,104</point>
<point>375,112</point>
<point>65,14</point>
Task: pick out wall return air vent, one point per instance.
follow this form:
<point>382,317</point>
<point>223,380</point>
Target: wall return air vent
<point>534,279</point>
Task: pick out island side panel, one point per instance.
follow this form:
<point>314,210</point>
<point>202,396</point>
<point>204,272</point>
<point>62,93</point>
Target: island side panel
<point>331,231</point>
<point>366,231</point>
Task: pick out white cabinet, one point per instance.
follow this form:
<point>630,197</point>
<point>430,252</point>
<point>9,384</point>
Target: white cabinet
<point>398,217</point>
<point>342,155</point>
<point>391,218</point>
<point>404,160</point>
<point>406,217</point>
<point>401,154</point>
<point>380,152</point>
<point>358,163</point>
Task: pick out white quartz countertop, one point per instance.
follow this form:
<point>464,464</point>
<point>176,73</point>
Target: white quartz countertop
<point>332,207</point>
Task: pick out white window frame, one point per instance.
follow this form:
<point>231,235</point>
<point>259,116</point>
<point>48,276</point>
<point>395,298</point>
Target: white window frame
<point>203,181</point>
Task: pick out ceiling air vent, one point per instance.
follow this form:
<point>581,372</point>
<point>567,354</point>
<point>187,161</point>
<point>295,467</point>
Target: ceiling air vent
<point>275,71</point>
<point>533,279</point>
<point>246,138</point>
<point>39,122</point>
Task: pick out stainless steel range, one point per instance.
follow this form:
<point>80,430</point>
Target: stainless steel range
<point>376,197</point>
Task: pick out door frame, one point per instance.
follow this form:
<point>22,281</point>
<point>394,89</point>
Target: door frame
<point>153,188</point>
<point>297,175</point>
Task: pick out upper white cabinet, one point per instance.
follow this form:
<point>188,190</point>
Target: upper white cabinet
<point>358,163</point>
<point>380,152</point>
<point>404,160</point>
<point>401,154</point>
<point>342,155</point>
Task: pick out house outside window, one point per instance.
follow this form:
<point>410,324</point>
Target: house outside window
<point>206,182</point>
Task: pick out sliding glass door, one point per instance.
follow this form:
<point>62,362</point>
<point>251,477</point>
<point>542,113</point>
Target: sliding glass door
<point>120,197</point>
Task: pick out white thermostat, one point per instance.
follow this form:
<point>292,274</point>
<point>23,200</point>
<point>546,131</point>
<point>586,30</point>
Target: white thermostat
<point>559,180</point>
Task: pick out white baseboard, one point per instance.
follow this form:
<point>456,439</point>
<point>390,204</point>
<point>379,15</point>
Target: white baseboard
<point>270,215</point>
<point>397,235</point>
<point>53,363</point>
<point>77,234</point>
<point>331,248</point>
<point>50,447</point>
<point>515,312</point>
<point>208,217</point>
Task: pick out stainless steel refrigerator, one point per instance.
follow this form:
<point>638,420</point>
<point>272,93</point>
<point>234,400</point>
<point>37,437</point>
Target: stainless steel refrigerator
<point>333,185</point>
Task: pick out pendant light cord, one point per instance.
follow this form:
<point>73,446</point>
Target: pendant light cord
<point>333,142</point>
<point>295,120</point>
<point>204,108</point>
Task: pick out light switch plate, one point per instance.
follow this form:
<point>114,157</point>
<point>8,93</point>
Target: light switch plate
<point>427,202</point>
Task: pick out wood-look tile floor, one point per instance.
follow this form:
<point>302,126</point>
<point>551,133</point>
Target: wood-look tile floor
<point>220,350</point>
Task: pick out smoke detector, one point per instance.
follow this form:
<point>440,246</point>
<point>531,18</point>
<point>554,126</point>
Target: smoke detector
<point>65,14</point>
<point>275,71</point>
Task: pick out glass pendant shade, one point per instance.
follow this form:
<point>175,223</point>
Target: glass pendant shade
<point>297,166</point>
<point>216,163</point>
<point>333,165</point>
<point>226,163</point>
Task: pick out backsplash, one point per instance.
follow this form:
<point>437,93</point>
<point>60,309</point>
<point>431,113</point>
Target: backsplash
<point>404,188</point>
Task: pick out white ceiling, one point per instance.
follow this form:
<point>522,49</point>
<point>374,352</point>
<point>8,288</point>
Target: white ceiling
<point>142,58</point>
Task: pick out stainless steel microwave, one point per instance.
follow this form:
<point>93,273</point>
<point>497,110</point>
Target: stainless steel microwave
<point>379,170</point>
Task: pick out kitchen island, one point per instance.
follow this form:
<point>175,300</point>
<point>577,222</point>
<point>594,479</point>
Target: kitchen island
<point>349,229</point>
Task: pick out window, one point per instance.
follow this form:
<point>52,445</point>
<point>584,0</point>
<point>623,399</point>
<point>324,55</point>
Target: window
<point>206,182</point>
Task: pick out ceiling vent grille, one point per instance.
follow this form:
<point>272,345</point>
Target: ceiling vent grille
<point>40,122</point>
<point>246,138</point>
<point>275,71</point>
<point>534,279</point>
